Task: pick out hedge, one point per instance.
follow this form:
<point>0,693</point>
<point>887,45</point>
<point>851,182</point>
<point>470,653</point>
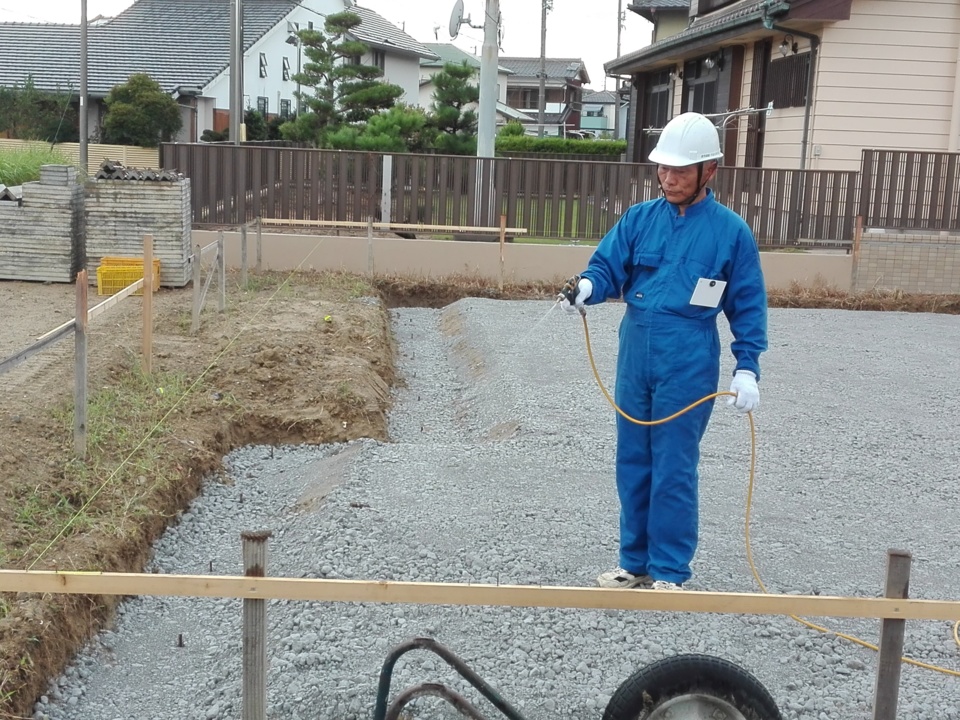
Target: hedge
<point>528,144</point>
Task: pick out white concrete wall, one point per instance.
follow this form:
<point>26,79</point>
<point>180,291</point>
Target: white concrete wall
<point>521,263</point>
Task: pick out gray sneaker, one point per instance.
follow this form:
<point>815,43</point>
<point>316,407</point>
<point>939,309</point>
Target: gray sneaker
<point>618,578</point>
<point>665,585</point>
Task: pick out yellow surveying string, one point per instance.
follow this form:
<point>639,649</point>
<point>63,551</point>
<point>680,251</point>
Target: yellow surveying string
<point>753,464</point>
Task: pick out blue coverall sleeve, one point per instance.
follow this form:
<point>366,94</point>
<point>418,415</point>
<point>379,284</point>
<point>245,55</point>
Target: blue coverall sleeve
<point>610,264</point>
<point>745,304</point>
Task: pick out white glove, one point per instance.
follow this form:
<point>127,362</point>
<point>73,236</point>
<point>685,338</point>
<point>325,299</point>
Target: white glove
<point>747,392</point>
<point>584,290</point>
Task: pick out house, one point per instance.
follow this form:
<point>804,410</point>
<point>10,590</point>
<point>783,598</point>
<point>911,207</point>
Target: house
<point>563,85</point>
<point>802,84</point>
<point>449,53</point>
<point>599,116</point>
<point>185,46</point>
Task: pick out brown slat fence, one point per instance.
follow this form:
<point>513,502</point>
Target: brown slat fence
<point>910,190</point>
<point>551,198</point>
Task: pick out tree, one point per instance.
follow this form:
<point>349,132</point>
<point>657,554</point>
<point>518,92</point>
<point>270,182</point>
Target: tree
<point>27,113</point>
<point>458,127</point>
<point>400,129</point>
<point>140,113</point>
<point>344,90</point>
<point>256,125</point>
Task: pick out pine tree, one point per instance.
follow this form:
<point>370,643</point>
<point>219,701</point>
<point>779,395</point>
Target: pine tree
<point>344,91</point>
<point>458,127</point>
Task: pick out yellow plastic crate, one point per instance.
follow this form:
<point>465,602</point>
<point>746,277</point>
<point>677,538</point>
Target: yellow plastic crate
<point>116,273</point>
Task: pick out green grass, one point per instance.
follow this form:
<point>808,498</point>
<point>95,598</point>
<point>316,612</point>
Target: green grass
<point>23,164</point>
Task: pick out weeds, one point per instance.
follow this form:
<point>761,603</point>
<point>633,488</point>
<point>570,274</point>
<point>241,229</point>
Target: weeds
<point>23,164</point>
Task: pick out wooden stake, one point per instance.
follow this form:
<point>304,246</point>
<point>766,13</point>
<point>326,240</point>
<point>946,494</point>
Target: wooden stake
<point>80,368</point>
<point>243,256</point>
<point>148,304</point>
<point>222,272</point>
<point>370,247</point>
<point>887,691</point>
<point>259,245</point>
<point>503,240</point>
<point>255,630</point>
<point>197,260</point>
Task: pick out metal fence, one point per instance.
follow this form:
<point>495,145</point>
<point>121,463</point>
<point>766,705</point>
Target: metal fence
<point>233,185</point>
<point>910,190</point>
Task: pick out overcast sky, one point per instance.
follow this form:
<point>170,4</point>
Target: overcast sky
<point>575,28</point>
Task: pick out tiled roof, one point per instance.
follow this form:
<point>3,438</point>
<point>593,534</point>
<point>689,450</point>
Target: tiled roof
<point>600,98</point>
<point>557,68</point>
<point>748,12</point>
<point>450,53</point>
<point>658,4</point>
<point>648,8</point>
<point>176,42</point>
<point>376,31</point>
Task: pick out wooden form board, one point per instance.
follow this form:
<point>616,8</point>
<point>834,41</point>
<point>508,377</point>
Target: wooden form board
<point>266,222</point>
<point>417,593</point>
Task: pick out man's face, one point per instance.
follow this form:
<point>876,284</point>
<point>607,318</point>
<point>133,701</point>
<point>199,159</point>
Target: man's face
<point>680,183</point>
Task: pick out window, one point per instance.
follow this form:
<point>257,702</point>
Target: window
<point>700,88</point>
<point>286,69</point>
<point>708,6</point>
<point>657,108</point>
<point>284,109</point>
<point>263,65</point>
<point>263,105</point>
<point>786,82</point>
<point>379,59</point>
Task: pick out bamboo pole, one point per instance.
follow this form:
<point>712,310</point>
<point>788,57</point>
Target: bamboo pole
<point>147,304</point>
<point>421,593</point>
<point>887,690</point>
<point>255,630</point>
<point>80,368</point>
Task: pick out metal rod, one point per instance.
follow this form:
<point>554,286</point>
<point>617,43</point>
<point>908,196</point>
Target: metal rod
<point>84,120</point>
<point>424,643</point>
<point>147,304</point>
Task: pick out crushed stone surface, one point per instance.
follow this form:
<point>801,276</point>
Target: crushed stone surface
<point>500,470</point>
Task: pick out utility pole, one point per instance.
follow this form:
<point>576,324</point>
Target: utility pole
<point>542,97</point>
<point>84,131</point>
<point>236,70</point>
<point>616,80</point>
<point>489,62</point>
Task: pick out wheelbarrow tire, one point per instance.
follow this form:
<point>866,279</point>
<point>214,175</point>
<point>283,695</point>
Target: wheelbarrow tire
<point>643,692</point>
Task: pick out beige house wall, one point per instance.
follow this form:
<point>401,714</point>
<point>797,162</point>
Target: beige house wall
<point>886,79</point>
<point>784,128</point>
<point>521,263</point>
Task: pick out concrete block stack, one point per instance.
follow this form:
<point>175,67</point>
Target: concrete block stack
<point>123,205</point>
<point>42,233</point>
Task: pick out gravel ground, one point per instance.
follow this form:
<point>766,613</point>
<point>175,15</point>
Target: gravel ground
<point>501,470</point>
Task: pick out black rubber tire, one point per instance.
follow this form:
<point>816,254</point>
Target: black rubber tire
<point>649,687</point>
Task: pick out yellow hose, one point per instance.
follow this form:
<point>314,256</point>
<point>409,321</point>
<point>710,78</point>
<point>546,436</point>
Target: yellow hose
<point>753,465</point>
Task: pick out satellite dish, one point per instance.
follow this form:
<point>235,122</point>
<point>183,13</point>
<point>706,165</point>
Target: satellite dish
<point>456,19</point>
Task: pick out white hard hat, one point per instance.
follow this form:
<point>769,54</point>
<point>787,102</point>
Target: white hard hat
<point>688,139</point>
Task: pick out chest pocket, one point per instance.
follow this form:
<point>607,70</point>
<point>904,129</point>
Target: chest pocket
<point>684,276</point>
<point>645,277</point>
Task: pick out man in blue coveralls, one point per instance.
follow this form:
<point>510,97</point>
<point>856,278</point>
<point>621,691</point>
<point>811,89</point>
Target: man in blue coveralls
<point>677,261</point>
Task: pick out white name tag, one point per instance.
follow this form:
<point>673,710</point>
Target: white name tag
<point>708,292</point>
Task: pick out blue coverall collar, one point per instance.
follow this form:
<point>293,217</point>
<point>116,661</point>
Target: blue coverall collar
<point>697,207</point>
